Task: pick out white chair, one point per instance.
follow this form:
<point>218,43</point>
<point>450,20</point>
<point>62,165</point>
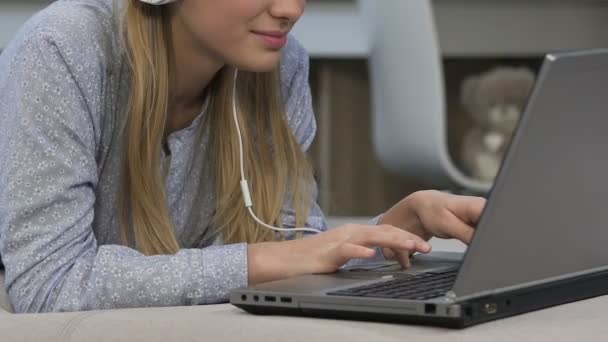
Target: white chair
<point>410,134</point>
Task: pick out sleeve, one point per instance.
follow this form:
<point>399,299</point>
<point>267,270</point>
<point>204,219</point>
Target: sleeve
<point>301,118</point>
<point>48,174</point>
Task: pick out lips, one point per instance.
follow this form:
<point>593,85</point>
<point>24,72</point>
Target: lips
<point>276,34</point>
<point>272,39</point>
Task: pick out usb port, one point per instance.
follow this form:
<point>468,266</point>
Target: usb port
<point>285,300</point>
<point>490,308</point>
<point>270,298</point>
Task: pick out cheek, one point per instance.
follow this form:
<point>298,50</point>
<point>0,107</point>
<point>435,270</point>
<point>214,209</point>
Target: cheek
<point>223,29</point>
<point>215,31</point>
<point>217,22</point>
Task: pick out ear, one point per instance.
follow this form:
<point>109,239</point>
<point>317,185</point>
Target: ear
<point>470,87</point>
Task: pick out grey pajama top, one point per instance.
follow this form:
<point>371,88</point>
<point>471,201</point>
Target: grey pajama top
<point>63,91</point>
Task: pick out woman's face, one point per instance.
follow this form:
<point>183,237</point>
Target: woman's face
<point>247,34</point>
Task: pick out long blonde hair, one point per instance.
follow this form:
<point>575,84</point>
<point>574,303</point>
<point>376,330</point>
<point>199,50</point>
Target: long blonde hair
<point>276,167</point>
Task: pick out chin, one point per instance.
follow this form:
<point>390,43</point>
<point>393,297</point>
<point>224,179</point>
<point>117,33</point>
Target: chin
<point>262,63</point>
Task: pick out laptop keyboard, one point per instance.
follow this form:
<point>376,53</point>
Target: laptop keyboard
<point>419,287</point>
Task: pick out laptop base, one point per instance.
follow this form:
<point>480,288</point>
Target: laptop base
<point>472,312</point>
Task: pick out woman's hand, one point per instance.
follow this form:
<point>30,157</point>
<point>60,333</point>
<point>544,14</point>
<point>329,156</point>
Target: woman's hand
<point>436,214</point>
<point>328,251</point>
<point>402,231</point>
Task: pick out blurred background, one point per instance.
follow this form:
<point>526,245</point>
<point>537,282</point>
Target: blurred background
<point>416,94</point>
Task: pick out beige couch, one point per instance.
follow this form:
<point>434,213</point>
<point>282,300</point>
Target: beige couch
<point>578,321</point>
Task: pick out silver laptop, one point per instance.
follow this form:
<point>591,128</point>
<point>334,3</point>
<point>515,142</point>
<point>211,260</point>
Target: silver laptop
<point>542,239</point>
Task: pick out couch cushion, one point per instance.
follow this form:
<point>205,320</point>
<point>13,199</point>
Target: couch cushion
<point>580,321</point>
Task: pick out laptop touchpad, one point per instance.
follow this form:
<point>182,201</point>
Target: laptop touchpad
<point>437,261</point>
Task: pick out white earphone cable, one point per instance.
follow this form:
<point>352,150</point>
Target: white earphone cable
<point>244,183</point>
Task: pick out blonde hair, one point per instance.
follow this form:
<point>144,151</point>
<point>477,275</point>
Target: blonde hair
<point>276,166</point>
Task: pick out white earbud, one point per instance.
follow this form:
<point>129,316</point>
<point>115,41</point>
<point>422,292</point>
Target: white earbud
<point>244,184</point>
<point>157,2</point>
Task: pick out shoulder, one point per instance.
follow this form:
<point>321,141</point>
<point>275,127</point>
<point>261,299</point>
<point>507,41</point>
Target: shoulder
<point>294,65</point>
<point>77,30</point>
<point>58,64</point>
<point>296,93</point>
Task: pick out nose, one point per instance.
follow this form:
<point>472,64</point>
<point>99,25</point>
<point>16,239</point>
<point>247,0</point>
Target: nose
<point>288,11</point>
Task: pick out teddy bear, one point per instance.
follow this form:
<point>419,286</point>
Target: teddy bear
<point>495,101</point>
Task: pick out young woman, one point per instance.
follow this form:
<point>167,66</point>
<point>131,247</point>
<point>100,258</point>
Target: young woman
<point>120,174</point>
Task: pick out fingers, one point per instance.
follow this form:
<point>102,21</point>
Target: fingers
<point>461,217</point>
<point>457,229</point>
<point>468,209</point>
<point>403,257</point>
<point>390,237</point>
<point>353,251</point>
<point>450,216</point>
